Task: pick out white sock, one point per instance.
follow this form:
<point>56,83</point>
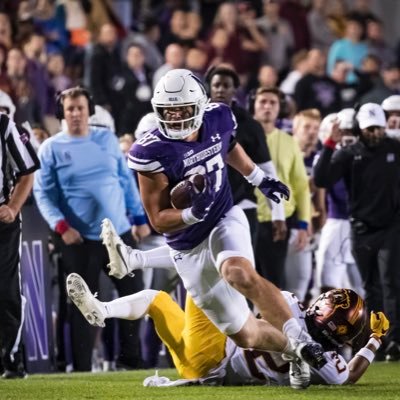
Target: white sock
<point>131,307</point>
<point>293,329</point>
<point>158,258</point>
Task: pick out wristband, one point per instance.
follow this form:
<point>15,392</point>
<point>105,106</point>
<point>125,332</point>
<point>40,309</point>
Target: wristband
<point>302,225</point>
<point>62,227</point>
<point>256,176</point>
<point>374,342</point>
<point>331,144</point>
<point>188,218</point>
<point>368,354</point>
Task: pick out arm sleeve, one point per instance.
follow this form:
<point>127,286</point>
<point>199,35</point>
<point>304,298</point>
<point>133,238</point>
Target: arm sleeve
<point>131,192</point>
<point>22,155</point>
<point>330,167</point>
<point>277,209</point>
<point>45,187</point>
<point>300,186</point>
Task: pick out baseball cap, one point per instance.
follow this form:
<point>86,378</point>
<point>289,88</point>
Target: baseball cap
<point>391,103</point>
<point>371,114</point>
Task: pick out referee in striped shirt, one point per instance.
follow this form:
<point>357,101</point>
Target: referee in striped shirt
<point>18,161</point>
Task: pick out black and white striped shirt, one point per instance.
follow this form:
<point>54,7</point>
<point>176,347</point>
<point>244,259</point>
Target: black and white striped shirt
<point>17,156</point>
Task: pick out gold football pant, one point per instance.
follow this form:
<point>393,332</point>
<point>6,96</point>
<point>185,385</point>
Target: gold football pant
<point>195,344</point>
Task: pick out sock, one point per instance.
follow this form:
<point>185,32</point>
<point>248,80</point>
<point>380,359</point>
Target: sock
<point>130,307</point>
<point>157,258</point>
<point>292,328</point>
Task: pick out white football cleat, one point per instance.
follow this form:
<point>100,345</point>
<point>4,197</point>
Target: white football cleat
<point>122,257</point>
<point>302,355</point>
<point>92,309</point>
<point>299,374</point>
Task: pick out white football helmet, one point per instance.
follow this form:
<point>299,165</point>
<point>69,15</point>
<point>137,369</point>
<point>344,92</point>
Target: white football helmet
<point>102,118</point>
<point>179,88</point>
<point>346,118</point>
<point>7,103</point>
<point>326,126</point>
<point>146,124</point>
<point>391,103</point>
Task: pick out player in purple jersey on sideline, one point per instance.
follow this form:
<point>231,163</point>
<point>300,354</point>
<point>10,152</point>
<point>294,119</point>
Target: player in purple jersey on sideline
<point>335,264</point>
<point>210,241</point>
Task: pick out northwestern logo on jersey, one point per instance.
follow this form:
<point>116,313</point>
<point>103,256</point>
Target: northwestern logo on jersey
<point>202,155</point>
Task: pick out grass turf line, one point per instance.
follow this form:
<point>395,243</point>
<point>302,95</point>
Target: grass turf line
<point>382,381</point>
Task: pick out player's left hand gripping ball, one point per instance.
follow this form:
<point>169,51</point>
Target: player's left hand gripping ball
<point>272,188</point>
<point>379,324</point>
<point>202,201</point>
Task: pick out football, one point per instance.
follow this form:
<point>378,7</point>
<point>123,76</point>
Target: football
<point>180,193</point>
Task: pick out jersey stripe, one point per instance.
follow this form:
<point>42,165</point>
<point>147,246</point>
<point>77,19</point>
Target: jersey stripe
<point>154,166</point>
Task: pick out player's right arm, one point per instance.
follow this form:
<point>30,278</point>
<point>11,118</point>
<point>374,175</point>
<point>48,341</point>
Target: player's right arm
<point>379,325</point>
<point>332,164</point>
<point>154,189</point>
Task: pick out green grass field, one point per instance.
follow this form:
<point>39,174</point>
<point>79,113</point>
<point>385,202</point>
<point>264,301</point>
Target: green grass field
<point>382,381</point>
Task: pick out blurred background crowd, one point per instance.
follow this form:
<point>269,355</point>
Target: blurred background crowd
<point>295,64</point>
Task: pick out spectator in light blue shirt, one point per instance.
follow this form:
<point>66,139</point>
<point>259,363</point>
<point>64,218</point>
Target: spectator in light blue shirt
<point>350,49</point>
<point>84,179</point>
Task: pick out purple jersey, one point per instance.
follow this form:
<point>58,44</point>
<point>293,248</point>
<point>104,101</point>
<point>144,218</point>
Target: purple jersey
<point>178,159</point>
<point>337,200</point>
<point>309,162</point>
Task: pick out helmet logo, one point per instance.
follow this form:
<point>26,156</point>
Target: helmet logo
<point>341,299</point>
<point>342,330</point>
<point>173,99</point>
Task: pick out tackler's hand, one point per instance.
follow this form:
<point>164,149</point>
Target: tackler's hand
<point>379,324</point>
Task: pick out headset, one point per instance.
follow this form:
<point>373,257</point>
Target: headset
<point>73,92</point>
<point>283,104</point>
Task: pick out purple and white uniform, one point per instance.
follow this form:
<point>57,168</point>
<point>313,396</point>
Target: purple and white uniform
<point>335,265</point>
<point>178,159</point>
<point>200,249</point>
<point>298,264</point>
<point>337,201</point>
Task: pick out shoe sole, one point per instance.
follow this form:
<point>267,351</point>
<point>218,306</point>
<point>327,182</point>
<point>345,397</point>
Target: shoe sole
<point>305,383</point>
<point>117,264</point>
<point>77,290</point>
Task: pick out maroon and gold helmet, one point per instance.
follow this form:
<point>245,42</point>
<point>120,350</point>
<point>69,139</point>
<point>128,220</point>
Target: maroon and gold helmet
<point>336,317</point>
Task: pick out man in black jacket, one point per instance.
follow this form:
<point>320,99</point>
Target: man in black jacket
<point>371,171</point>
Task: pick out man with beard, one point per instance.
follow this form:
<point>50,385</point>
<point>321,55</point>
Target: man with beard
<point>371,171</point>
